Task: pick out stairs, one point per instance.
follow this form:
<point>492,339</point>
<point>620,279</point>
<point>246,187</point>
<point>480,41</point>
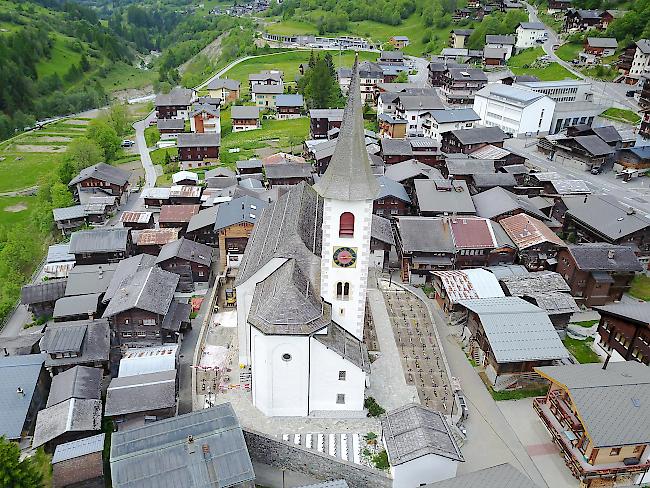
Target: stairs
<point>344,446</point>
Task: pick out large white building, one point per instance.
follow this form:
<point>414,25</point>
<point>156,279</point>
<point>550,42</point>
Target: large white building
<point>412,107</point>
<point>561,90</point>
<point>437,122</point>
<point>514,110</point>
<point>528,33</point>
<point>641,60</point>
<point>301,287</point>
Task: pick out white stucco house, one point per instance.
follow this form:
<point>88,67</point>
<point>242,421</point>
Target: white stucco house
<point>437,122</point>
<point>420,446</point>
<point>514,110</point>
<point>301,287</point>
<point>641,60</point>
<point>528,33</point>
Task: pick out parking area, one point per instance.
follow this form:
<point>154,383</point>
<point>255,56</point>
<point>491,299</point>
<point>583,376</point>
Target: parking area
<point>420,354</point>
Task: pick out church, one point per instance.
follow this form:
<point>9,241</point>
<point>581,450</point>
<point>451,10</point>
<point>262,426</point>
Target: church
<point>301,287</point>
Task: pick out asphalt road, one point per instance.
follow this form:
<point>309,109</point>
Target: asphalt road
<point>149,170</point>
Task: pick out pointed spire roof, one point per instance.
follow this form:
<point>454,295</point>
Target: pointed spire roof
<point>348,176</point>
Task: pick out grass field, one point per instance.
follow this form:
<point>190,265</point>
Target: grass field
<point>62,57</point>
<point>123,76</point>
<point>621,115</point>
<point>640,287</point>
<point>288,62</point>
<point>520,64</point>
<point>581,350</point>
<point>22,170</point>
<point>568,51</point>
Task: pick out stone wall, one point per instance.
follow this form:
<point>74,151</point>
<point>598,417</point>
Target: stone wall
<point>283,455</point>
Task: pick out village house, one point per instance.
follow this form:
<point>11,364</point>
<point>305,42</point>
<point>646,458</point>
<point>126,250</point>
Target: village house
<point>185,194</point>
<point>185,178</point>
<point>406,172</point>
<point>265,96</point>
<point>463,168</point>
<point>438,67</point>
<point>479,242</point>
<point>641,61</point>
<point>495,56</point>
<point>76,343</point>
<point>398,42</point>
<point>558,6</point>
<point>288,173</point>
<point>143,311</point>
<point>177,216</point>
<point>498,332</point>
<point>170,128</point>
<point>480,182</point>
<point>155,197</point>
<point>598,47</point>
<point>608,16</point>
<point>40,298</point>
<point>537,245</point>
<point>634,157</point>
<point>382,242</point>
<point>69,219</point>
<point>581,20</point>
<point>498,203</point>
<point>77,307</point>
<point>452,286</point>
<point>198,150</point>
<point>624,330</point>
<point>370,75</point>
<point>175,104</point>
<point>420,446</point>
<point>190,260</point>
<point>321,121</point>
<point>443,197</point>
<point>458,37</point>
<point>99,179</point>
<point>266,77</point>
<point>224,89</point>
<point>205,118</point>
<point>89,279</point>
<point>100,245</point>
<point>79,463</point>
<point>596,417</point>
<point>460,84</point>
<point>412,107</point>
<point>245,118</point>
<point>468,140</point>
<point>528,33</point>
<point>392,200</point>
<point>99,209</point>
<point>589,149</point>
<point>598,273</point>
<point>391,126</point>
<point>150,241</point>
<point>437,122</point>
<point>289,106</point>
<point>506,42</point>
<point>249,166</point>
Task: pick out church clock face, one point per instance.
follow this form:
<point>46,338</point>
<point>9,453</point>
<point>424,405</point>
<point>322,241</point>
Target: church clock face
<point>345,257</point>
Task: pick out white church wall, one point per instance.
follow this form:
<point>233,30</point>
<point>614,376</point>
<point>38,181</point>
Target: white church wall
<point>280,386</point>
<point>423,470</point>
<point>347,313</point>
<point>244,300</point>
<point>325,384</point>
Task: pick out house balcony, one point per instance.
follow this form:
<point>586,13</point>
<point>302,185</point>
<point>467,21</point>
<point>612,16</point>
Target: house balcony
<point>573,458</point>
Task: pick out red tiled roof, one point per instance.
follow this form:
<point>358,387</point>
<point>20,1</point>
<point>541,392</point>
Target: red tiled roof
<point>472,233</point>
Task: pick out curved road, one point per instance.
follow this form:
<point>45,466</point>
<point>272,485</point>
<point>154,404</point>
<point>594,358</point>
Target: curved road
<point>605,93</point>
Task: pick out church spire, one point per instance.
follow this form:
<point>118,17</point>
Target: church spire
<point>348,176</point>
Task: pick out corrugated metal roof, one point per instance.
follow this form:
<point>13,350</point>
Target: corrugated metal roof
<point>526,231</point>
<point>148,360</point>
<point>63,339</point>
<point>136,217</point>
<point>58,253</point>
<point>517,330</point>
<point>78,448</point>
<point>149,237</point>
<point>469,284</point>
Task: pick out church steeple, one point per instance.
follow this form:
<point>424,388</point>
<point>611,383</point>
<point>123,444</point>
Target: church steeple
<point>348,176</point>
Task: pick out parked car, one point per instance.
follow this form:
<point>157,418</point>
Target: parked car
<point>597,170</point>
<point>540,41</point>
<point>128,143</point>
<point>630,93</point>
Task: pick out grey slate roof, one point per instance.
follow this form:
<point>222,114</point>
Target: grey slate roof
<point>68,213</point>
<point>391,188</point>
<point>80,382</point>
<point>94,347</point>
<point>226,83</point>
<point>594,145</point>
<point>89,278</point>
<point>381,230</point>
<point>409,169</point>
<point>103,172</point>
<point>17,372</point>
<point>244,112</point>
<point>490,180</point>
<point>606,215</point>
<point>500,476</point>
<point>425,234</point>
<point>497,201</point>
<point>345,345</point>
<point>243,209</point>
<point>613,404</point>
<point>176,96</point>
<point>536,282</point>
<point>498,39</point>
<point>413,431</point>
<point>290,227</point>
<point>78,448</point>
<point>420,102</point>
<point>47,291</point>
<point>205,218</point>
<point>171,124</point>
<point>99,240</point>
<point>267,89</point>
<point>488,135</point>
<point>72,415</point>
<point>141,393</point>
<point>532,25</point>
<point>604,42</point>
<point>126,268</point>
<point>517,330</point>
<point>76,305</point>
<point>456,115</point>
<point>348,175</point>
<point>469,166</point>
<point>20,345</point>
<point>249,164</point>
<point>138,454</point>
<point>150,289</point>
<point>289,100</point>
<point>208,139</point>
<point>431,198</point>
<point>219,172</point>
<point>288,170</point>
<point>595,257</point>
<point>186,249</point>
<point>638,312</point>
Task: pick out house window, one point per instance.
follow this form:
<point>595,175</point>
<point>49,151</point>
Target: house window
<point>149,322</point>
<point>340,399</point>
<point>615,451</point>
<point>342,291</point>
<point>126,334</point>
<point>341,375</point>
<point>141,333</point>
<point>346,225</point>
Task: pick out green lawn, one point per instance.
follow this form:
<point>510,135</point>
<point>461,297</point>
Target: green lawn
<point>288,62</point>
<point>587,323</point>
<point>621,115</point>
<point>510,394</point>
<point>581,350</point>
<point>158,155</point>
<point>568,51</point>
<point>522,64</point>
<point>62,57</point>
<point>22,170</point>
<point>640,287</point>
<point>291,27</point>
<point>123,76</point>
<point>15,210</point>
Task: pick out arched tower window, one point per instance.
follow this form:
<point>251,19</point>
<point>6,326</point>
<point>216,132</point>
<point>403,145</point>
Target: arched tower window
<point>342,290</point>
<point>346,225</point>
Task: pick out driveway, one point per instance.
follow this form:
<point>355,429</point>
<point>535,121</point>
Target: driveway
<point>149,170</point>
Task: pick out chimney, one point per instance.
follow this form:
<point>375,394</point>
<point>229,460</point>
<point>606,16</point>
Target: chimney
<point>606,361</point>
<point>20,392</point>
<point>610,254</point>
<point>631,211</point>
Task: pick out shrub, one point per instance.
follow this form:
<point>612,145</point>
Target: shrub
<point>374,409</point>
<point>380,460</point>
